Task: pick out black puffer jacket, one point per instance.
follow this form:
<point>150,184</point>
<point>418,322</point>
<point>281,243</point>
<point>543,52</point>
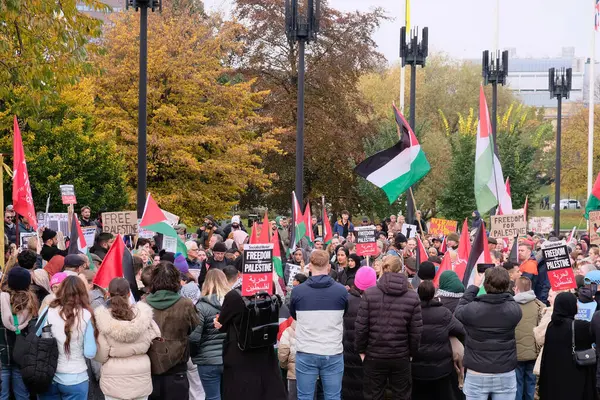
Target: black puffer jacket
<point>346,277</point>
<point>389,324</point>
<point>434,358</point>
<point>206,342</point>
<point>489,321</point>
<point>352,383</point>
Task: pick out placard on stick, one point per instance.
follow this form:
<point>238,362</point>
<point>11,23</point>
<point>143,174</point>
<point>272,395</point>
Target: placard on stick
<point>438,226</point>
<point>541,225</point>
<point>558,262</point>
<point>67,193</point>
<point>509,225</point>
<point>257,274</point>
<point>594,227</point>
<point>120,222</point>
<point>366,241</point>
<point>408,230</point>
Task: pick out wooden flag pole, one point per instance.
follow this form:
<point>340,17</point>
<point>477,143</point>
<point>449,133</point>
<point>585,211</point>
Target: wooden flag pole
<point>415,207</point>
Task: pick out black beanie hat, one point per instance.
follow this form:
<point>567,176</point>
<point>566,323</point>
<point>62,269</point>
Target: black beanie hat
<point>426,271</point>
<point>19,278</point>
<point>48,234</point>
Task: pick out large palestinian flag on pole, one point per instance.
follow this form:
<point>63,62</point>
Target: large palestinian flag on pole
<point>490,189</point>
<point>593,202</point>
<point>299,223</point>
<point>398,168</point>
<point>480,254</point>
<point>154,220</point>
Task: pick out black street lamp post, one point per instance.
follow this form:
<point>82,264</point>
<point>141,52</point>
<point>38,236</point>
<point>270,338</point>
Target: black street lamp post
<point>559,85</point>
<point>413,53</point>
<point>302,26</point>
<point>143,6</point>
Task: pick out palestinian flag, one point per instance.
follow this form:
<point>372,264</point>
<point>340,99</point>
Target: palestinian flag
<point>490,189</point>
<point>399,167</point>
<point>327,234</point>
<point>264,231</point>
<point>277,261</point>
<point>310,235</point>
<point>444,246</point>
<point>154,220</point>
<point>593,203</point>
<point>513,256</point>
<point>118,263</point>
<point>420,253</point>
<point>480,254</point>
<point>446,265</point>
<point>507,203</point>
<point>464,249</point>
<point>77,244</point>
<point>299,223</point>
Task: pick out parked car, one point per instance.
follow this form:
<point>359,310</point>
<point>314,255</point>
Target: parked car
<point>568,204</point>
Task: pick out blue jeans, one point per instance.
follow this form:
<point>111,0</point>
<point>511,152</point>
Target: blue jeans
<point>211,375</point>
<point>13,383</point>
<point>499,386</point>
<point>64,392</point>
<point>311,366</point>
<point>525,380</point>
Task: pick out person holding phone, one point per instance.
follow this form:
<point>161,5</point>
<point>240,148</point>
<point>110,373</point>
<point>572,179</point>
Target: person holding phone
<point>489,320</point>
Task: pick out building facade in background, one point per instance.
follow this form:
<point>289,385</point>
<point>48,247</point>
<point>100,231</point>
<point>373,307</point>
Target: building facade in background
<point>115,5</point>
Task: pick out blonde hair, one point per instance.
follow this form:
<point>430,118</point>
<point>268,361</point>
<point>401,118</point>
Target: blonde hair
<point>32,243</point>
<point>215,283</point>
<point>391,264</point>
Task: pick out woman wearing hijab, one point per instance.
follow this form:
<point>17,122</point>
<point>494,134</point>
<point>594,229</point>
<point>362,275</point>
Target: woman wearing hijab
<point>346,277</point>
<point>560,377</point>
<point>450,291</point>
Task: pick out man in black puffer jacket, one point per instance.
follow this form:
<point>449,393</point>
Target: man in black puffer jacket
<point>490,348</point>
<point>388,332</point>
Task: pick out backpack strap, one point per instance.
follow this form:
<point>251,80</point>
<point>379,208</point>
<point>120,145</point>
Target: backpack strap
<point>16,322</point>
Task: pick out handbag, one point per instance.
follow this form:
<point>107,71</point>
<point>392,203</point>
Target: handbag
<point>582,358</point>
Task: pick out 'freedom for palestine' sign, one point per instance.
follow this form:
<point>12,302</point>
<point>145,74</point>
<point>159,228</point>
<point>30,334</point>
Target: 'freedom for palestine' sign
<point>558,263</point>
<point>257,274</point>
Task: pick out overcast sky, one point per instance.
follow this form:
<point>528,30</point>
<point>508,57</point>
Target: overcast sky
<point>464,28</point>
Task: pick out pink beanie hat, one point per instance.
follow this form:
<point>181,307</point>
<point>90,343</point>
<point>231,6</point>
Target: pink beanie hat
<point>58,278</point>
<point>365,278</point>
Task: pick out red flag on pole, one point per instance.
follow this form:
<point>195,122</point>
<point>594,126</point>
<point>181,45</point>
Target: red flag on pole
<point>446,265</point>
<point>253,235</point>
<point>21,196</point>
<point>308,222</point>
<point>464,248</point>
<point>421,251</point>
<point>263,238</point>
<point>327,233</point>
<point>112,265</point>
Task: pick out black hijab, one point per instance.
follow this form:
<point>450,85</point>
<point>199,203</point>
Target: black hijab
<point>565,308</point>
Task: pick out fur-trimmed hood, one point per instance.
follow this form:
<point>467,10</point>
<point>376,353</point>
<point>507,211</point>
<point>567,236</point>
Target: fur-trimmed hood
<point>124,331</point>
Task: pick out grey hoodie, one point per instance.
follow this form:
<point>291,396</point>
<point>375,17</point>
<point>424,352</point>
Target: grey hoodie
<point>525,297</point>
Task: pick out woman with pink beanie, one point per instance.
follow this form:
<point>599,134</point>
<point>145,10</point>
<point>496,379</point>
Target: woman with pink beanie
<point>352,383</point>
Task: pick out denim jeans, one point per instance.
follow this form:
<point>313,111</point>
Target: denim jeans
<point>525,380</point>
<point>66,392</point>
<point>311,366</point>
<point>13,383</point>
<point>499,386</point>
<point>211,375</point>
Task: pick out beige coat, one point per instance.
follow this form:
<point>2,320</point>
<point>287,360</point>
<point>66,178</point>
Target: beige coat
<point>122,348</point>
<point>286,351</point>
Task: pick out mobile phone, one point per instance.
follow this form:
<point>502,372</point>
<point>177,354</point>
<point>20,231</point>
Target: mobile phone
<point>482,267</point>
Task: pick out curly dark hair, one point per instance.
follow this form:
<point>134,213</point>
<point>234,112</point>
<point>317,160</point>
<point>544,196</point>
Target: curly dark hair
<point>120,308</point>
<point>73,297</point>
<point>27,259</point>
<point>165,277</point>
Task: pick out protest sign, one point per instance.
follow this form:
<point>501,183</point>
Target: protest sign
<point>67,193</point>
<point>509,225</point>
<point>120,222</point>
<point>58,222</point>
<point>438,226</point>
<point>541,225</point>
<point>290,272</point>
<point>24,238</point>
<point>558,263</point>
<point>142,233</point>
<point>89,234</point>
<point>169,244</point>
<point>257,273</point>
<point>409,230</point>
<point>172,219</point>
<point>594,227</point>
<point>366,241</point>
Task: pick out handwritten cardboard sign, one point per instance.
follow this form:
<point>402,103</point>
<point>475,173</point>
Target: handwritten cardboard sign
<point>408,230</point>
<point>558,263</point>
<point>542,225</point>
<point>257,274</point>
<point>120,222</point>
<point>594,227</point>
<point>366,241</point>
<point>438,226</point>
<point>509,225</point>
<point>67,193</point>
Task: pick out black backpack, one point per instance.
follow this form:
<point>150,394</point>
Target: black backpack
<point>260,322</point>
<point>37,357</point>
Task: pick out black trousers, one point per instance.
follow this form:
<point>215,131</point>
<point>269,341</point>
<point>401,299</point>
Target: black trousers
<point>396,373</point>
<point>170,387</point>
<point>433,389</point>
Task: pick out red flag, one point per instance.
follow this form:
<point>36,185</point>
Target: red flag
<point>446,265</point>
<point>308,222</point>
<point>327,234</point>
<point>253,236</point>
<point>112,265</point>
<point>464,248</point>
<point>444,246</point>
<point>421,250</point>
<point>21,196</point>
<point>263,238</point>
